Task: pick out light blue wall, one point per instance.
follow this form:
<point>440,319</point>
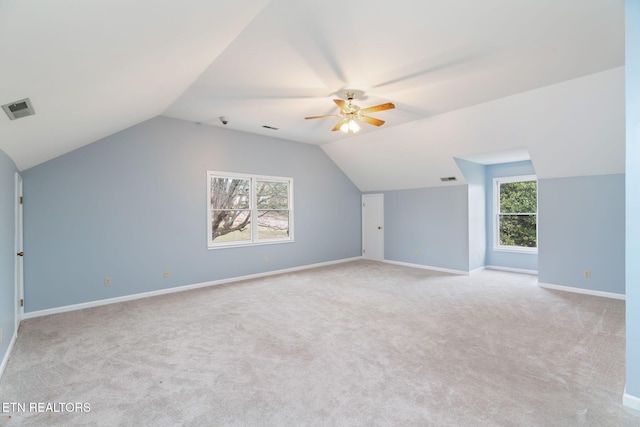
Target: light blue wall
<point>134,204</point>
<point>476,174</point>
<point>7,250</point>
<point>632,48</point>
<point>428,226</point>
<point>516,260</point>
<point>581,227</point>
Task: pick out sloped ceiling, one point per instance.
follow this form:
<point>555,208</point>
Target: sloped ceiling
<point>573,128</point>
<point>468,78</point>
<point>93,68</point>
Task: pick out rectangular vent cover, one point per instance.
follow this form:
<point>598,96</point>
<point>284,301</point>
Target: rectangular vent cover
<point>269,127</point>
<point>19,109</point>
<point>448,178</point>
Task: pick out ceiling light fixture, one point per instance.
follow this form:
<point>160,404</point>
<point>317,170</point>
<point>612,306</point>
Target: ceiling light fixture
<point>349,126</point>
<point>350,114</point>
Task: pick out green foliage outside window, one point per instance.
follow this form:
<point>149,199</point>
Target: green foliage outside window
<point>518,214</point>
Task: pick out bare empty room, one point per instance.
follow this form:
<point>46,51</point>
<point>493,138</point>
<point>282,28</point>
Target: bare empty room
<point>273,212</point>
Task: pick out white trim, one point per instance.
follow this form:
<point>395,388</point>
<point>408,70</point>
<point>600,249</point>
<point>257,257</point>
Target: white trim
<point>516,249</point>
<point>5,359</point>
<point>477,270</point>
<point>582,291</point>
<point>252,209</point>
<point>18,274</point>
<point>427,267</point>
<point>512,270</point>
<point>497,247</point>
<point>363,199</point>
<point>132,297</point>
<point>630,401</point>
<point>516,178</point>
<point>241,245</point>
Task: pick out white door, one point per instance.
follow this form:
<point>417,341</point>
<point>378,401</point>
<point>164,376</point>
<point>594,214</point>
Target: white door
<point>19,284</point>
<point>373,226</point>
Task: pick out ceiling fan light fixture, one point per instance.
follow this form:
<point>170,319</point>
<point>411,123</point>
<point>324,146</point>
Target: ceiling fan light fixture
<point>350,114</point>
<point>350,126</point>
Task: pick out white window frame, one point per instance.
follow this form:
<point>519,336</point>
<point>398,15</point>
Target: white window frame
<point>496,214</point>
<point>253,210</point>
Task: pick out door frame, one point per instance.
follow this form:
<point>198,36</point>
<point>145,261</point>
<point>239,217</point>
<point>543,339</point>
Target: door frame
<point>379,196</point>
<point>19,246</point>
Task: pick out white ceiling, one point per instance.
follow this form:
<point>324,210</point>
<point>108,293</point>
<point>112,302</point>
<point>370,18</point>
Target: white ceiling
<point>94,68</point>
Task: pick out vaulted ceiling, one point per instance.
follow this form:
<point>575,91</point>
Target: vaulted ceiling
<point>477,80</point>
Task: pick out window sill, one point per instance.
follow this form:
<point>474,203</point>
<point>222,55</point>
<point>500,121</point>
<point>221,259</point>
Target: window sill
<point>243,245</point>
<point>515,249</point>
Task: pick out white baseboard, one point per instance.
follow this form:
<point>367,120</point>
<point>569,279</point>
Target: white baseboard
<point>462,272</point>
<point>582,291</point>
<point>132,297</point>
<point>512,270</point>
<point>5,359</point>
<point>630,401</point>
<point>427,267</point>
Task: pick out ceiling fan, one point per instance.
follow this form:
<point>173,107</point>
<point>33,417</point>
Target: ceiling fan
<point>350,113</point>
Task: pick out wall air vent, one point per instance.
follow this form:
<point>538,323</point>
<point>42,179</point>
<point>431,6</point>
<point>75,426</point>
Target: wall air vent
<point>19,109</point>
<point>270,127</point>
<point>448,178</point>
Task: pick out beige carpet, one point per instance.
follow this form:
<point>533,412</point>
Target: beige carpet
<point>355,344</point>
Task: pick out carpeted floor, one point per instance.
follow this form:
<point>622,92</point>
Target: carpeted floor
<point>355,344</point>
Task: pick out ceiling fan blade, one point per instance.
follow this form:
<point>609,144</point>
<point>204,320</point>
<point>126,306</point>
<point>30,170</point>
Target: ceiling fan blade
<point>321,117</point>
<point>342,104</point>
<point>381,107</point>
<point>425,69</point>
<point>337,127</point>
<point>372,120</point>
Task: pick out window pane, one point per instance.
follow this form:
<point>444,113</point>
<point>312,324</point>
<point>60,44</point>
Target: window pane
<point>518,197</point>
<point>273,224</point>
<point>230,193</point>
<point>272,195</point>
<point>518,230</point>
<point>230,225</point>
<point>248,209</point>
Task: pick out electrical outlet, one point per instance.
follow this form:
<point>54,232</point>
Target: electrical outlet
<point>167,274</point>
<point>344,249</point>
<point>587,274</point>
<point>107,281</point>
<point>416,253</point>
<point>266,260</point>
<point>1,334</point>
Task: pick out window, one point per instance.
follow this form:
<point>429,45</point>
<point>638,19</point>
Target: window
<point>516,212</point>
<point>248,209</point>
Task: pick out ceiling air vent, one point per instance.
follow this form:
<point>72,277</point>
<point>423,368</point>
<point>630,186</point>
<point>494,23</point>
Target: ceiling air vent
<point>448,178</point>
<point>19,109</point>
<point>270,127</point>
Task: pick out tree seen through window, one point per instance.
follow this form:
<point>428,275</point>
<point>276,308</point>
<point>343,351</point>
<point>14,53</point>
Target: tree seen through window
<point>517,213</point>
<point>249,209</point>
